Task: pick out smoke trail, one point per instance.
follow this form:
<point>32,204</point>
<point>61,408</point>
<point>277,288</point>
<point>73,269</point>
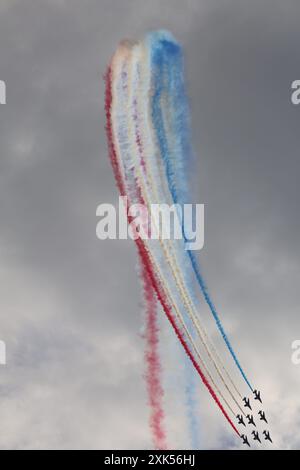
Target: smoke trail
<point>167,62</point>
<point>144,253</point>
<point>168,311</point>
<point>139,101</point>
<point>192,405</point>
<point>169,253</point>
<point>201,282</point>
<point>153,373</point>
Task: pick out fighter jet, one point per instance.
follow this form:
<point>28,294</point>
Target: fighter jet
<point>267,436</point>
<point>241,421</point>
<point>250,420</point>
<point>262,416</point>
<point>257,395</point>
<point>245,440</point>
<point>256,436</point>
<point>247,403</point>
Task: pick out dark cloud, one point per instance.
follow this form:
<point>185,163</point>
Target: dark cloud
<point>70,302</point>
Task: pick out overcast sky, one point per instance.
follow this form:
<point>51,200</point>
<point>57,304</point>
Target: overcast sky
<point>70,304</point>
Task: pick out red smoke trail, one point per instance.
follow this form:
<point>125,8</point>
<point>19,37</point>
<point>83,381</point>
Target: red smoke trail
<point>168,311</point>
<point>146,260</point>
<point>155,390</point>
<point>153,373</point>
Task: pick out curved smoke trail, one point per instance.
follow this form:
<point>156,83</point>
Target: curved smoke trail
<point>150,152</point>
<point>170,257</point>
<point>167,78</point>
<point>117,141</point>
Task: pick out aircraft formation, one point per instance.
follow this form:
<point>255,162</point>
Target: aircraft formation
<point>265,434</point>
<point>150,149</point>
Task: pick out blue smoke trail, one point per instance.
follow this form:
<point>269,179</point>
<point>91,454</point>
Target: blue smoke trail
<point>191,404</point>
<point>168,82</point>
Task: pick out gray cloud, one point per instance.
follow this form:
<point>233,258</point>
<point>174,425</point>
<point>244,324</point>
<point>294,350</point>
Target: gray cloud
<point>70,303</point>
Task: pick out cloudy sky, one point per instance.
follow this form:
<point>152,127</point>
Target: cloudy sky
<point>70,304</point>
